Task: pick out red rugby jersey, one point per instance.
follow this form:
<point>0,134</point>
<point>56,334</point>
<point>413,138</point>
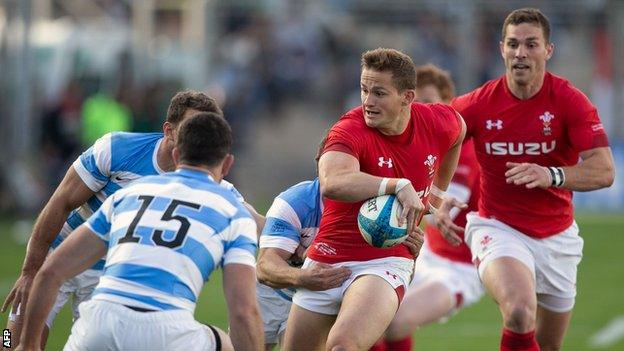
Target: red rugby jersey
<point>549,129</point>
<point>415,154</point>
<point>467,174</point>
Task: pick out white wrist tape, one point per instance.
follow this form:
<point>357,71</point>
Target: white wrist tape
<point>402,183</point>
<point>382,186</point>
<point>432,209</point>
<point>437,192</point>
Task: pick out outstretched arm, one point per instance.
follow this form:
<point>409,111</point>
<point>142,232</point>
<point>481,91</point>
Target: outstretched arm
<point>273,270</point>
<point>239,286</point>
<point>71,193</point>
<point>80,251</point>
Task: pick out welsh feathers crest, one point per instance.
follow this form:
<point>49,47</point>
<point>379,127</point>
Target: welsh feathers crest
<point>430,163</point>
<point>546,118</point>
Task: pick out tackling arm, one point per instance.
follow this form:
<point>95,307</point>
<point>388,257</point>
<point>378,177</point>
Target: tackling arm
<point>80,251</point>
<point>71,193</point>
<point>273,270</point>
<point>240,294</point>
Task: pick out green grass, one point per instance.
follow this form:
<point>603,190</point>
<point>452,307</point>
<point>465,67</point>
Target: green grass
<point>600,282</point>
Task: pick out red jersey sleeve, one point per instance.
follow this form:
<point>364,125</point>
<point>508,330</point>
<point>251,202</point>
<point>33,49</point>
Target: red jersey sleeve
<point>585,130</point>
<point>448,123</point>
<point>465,105</point>
<point>342,137</point>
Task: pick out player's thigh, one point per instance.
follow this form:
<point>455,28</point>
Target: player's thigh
<point>368,306</point>
<point>556,264</point>
<point>306,330</point>
<point>423,304</point>
<point>551,328</point>
<point>510,282</point>
<point>512,285</point>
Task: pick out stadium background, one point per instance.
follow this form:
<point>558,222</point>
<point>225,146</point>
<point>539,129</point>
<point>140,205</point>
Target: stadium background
<point>283,71</point>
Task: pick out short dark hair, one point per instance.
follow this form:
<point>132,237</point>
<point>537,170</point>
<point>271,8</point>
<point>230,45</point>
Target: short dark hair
<point>190,99</point>
<point>431,74</point>
<point>204,139</point>
<point>528,15</point>
<point>390,60</point>
<point>321,147</point>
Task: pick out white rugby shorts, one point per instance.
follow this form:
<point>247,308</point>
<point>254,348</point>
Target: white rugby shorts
<point>109,326</point>
<point>274,309</point>
<point>553,260</point>
<point>397,271</point>
<point>79,288</point>
<point>460,279</point>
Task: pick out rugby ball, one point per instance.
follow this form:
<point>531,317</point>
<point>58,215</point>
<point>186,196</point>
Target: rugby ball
<point>377,221</point>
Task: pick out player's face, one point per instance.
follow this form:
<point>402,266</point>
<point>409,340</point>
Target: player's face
<point>381,101</point>
<point>428,94</point>
<point>525,52</point>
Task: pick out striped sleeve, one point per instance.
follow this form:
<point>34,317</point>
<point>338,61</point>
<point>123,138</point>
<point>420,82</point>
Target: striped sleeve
<point>94,165</point>
<point>282,229</point>
<point>241,244</point>
<point>100,221</point>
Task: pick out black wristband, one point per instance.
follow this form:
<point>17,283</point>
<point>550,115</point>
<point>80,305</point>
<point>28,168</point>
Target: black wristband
<point>558,177</point>
<point>553,176</point>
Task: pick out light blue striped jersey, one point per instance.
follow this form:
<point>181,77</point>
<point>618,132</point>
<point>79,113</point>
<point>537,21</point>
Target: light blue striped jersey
<point>165,235</point>
<point>113,162</point>
<point>293,220</point>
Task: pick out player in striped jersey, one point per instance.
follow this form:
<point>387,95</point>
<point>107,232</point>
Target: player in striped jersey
<point>163,236</point>
<point>291,224</point>
<point>114,161</point>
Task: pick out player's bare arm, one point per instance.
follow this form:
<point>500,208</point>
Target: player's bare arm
<point>273,270</point>
<point>444,204</point>
<point>258,218</point>
<point>80,251</point>
<point>341,179</point>
<point>71,193</point>
<point>595,171</point>
<point>239,288</point>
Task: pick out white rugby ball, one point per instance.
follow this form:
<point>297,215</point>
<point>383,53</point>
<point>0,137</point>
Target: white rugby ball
<point>378,222</point>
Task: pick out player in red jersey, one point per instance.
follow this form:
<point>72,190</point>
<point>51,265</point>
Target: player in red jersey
<point>389,145</point>
<point>445,279</point>
<point>529,128</point>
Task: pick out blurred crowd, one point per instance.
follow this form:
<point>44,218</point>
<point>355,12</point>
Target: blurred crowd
<point>266,56</point>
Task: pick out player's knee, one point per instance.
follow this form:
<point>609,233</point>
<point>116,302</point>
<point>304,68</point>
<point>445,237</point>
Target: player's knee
<point>519,316</point>
<point>397,328</point>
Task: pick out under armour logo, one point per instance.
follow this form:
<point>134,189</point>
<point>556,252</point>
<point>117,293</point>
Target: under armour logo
<point>394,276</point>
<point>490,124</point>
<point>382,162</point>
